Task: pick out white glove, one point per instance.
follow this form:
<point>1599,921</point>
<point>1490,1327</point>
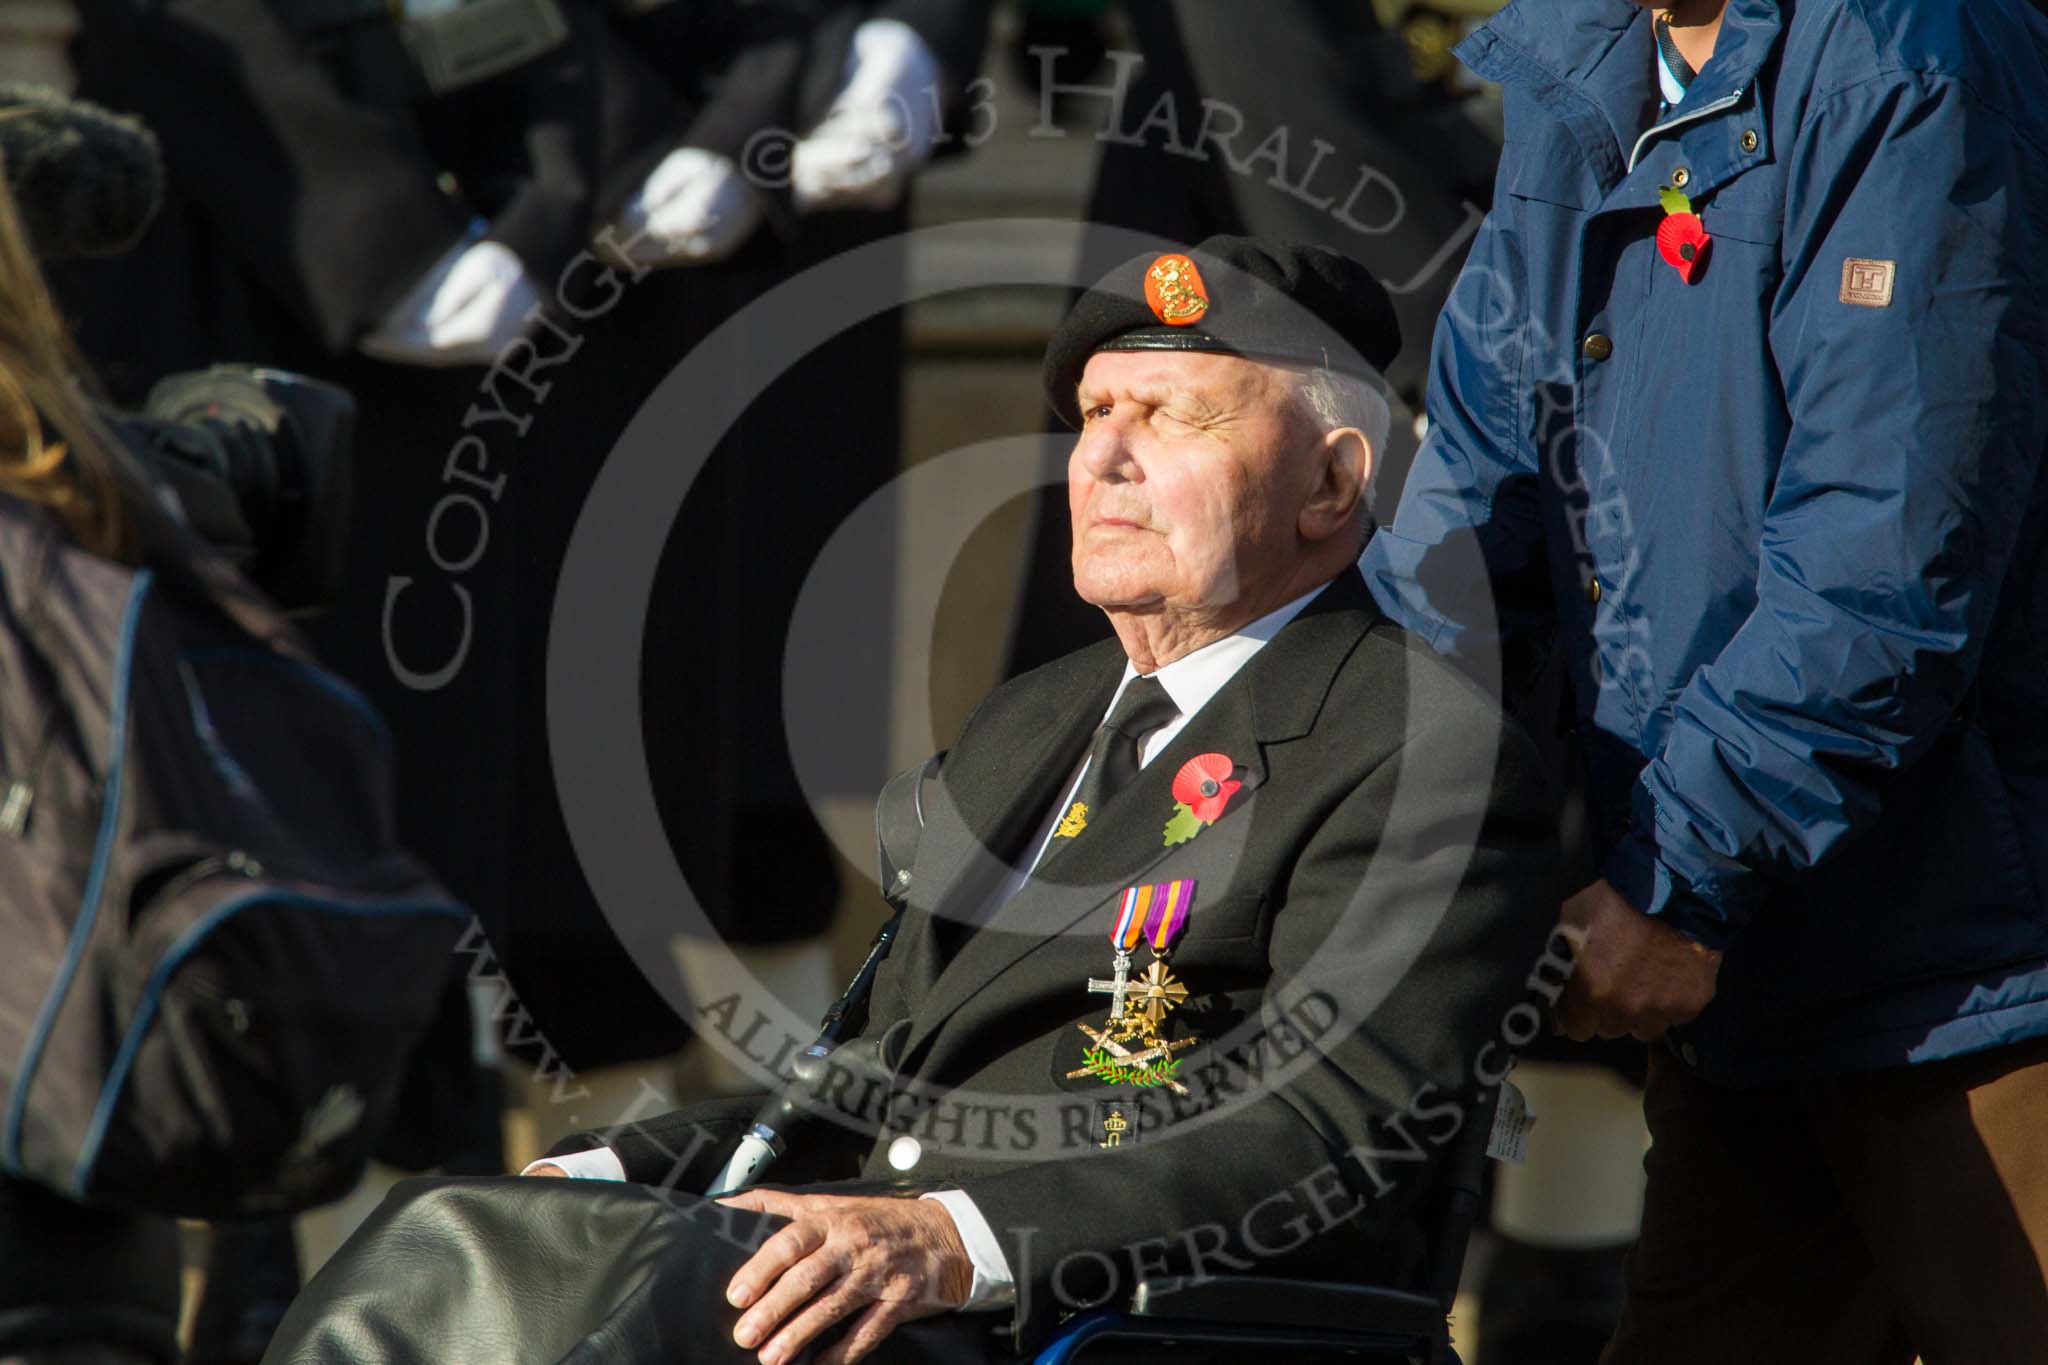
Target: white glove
<point>694,208</point>
<point>464,311</point>
<point>880,126</point>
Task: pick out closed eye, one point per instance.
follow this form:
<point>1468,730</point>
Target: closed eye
<point>1203,419</point>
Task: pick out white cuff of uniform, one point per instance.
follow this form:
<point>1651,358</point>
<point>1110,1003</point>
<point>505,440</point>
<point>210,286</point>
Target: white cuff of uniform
<point>694,208</point>
<point>598,1163</point>
<point>881,126</point>
<point>994,1285</point>
<point>473,303</point>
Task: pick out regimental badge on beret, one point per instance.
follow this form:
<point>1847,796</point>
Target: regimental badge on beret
<point>1286,302</point>
<point>1174,288</point>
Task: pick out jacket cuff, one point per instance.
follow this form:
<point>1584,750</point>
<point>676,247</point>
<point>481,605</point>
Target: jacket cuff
<point>1711,913</point>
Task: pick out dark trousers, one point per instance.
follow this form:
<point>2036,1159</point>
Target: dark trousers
<point>554,1272</point>
<point>1860,1219</point>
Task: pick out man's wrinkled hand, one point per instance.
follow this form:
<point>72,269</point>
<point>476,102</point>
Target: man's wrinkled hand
<point>888,1260</point>
<point>1635,977</point>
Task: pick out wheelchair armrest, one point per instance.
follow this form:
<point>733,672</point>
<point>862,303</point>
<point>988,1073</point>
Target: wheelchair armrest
<point>1258,1299</point>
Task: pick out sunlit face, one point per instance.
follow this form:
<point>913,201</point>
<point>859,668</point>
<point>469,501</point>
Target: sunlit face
<point>1187,481</point>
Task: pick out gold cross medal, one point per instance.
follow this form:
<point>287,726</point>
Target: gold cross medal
<point>1131,1048</point>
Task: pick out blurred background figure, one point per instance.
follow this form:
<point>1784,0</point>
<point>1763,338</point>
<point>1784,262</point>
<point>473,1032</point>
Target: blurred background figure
<point>397,200</point>
<point>256,462</point>
<point>792,133</point>
<point>82,1286</point>
<point>377,213</point>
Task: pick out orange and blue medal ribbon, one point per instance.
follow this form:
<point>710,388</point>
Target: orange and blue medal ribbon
<point>1153,914</point>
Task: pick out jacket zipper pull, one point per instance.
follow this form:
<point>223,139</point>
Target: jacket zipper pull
<point>14,808</point>
<point>21,793</point>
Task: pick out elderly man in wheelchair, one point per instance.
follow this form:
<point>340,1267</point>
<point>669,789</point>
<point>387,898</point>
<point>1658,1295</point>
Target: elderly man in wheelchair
<point>1209,965</point>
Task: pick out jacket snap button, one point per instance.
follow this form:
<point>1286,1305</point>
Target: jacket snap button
<point>1689,1053</point>
<point>1598,347</point>
<point>1593,591</point>
<point>1749,139</point>
<point>904,1152</point>
<point>1680,177</point>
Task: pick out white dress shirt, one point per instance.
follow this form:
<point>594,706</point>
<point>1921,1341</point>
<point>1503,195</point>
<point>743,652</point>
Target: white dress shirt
<point>1190,681</point>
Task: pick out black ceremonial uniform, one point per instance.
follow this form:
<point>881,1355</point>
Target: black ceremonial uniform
<point>823,435</point>
<point>299,208</point>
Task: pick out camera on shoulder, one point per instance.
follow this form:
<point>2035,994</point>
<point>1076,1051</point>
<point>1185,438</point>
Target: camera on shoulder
<point>261,464</point>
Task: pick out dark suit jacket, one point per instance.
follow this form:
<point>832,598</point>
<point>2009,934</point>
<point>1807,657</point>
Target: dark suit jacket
<point>1383,886</point>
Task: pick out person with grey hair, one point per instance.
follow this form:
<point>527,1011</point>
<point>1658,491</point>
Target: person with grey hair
<point>1337,400</point>
<point>1295,830</point>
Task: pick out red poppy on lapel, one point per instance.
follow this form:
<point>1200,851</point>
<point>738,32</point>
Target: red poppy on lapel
<point>1204,785</point>
<point>1682,240</point>
<point>1201,790</point>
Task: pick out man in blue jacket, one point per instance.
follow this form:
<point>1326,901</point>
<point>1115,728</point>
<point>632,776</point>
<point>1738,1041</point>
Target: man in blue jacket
<point>1750,362</point>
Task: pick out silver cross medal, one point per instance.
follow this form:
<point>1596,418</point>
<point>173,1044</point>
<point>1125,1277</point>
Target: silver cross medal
<point>1115,987</point>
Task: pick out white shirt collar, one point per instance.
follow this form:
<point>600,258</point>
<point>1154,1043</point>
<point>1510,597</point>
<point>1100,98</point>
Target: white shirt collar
<point>1191,681</point>
<point>1194,678</point>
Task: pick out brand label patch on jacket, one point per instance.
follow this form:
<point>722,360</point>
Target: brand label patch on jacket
<point>1868,284</point>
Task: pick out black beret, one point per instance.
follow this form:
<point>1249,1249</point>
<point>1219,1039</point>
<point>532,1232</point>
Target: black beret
<point>1264,300</point>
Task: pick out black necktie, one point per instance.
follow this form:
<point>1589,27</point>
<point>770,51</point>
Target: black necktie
<point>1113,760</point>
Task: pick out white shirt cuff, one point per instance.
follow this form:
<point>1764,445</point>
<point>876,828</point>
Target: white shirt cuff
<point>994,1286</point>
<point>598,1163</point>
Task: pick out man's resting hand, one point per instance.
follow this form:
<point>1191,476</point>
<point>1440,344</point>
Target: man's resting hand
<point>1635,976</point>
<point>889,1260</point>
